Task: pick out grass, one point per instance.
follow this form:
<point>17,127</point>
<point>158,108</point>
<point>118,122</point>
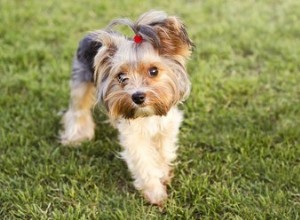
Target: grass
<point>239,144</point>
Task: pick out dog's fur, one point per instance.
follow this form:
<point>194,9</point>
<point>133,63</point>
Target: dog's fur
<point>140,85</point>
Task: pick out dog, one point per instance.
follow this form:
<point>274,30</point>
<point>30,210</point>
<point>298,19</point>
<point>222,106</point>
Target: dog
<point>140,81</point>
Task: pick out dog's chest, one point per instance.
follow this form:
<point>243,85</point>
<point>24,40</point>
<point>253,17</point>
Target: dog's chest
<point>150,126</point>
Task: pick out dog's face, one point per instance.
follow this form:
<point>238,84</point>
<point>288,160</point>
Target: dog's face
<point>146,78</point>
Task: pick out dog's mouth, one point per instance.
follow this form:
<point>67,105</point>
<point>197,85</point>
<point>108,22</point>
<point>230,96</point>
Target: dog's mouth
<point>140,111</point>
<point>144,111</point>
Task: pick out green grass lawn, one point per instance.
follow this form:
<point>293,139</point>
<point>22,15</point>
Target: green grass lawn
<point>239,154</point>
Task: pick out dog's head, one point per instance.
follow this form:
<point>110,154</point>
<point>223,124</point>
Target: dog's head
<point>146,75</point>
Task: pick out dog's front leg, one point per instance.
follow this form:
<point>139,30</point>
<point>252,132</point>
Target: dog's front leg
<point>146,166</point>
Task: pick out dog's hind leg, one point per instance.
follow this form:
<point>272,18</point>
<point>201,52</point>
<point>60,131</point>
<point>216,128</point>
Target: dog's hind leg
<point>78,122</point>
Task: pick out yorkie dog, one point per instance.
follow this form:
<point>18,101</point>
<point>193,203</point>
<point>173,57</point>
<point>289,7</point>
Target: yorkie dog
<point>140,82</point>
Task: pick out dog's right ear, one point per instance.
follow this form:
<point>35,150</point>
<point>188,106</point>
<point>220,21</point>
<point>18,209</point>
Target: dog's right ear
<point>103,57</point>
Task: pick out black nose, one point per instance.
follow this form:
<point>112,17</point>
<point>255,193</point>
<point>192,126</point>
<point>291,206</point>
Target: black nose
<point>138,97</point>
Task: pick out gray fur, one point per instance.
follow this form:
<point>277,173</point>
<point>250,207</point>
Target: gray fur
<point>83,63</point>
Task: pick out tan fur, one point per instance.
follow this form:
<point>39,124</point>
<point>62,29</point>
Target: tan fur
<point>77,121</point>
<point>174,39</point>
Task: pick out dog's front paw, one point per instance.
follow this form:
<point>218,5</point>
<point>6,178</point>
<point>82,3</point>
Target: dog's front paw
<point>156,195</point>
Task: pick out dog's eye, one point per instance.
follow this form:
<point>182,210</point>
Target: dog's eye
<point>153,71</point>
<point>122,78</point>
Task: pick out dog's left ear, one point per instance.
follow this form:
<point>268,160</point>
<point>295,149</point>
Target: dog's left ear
<point>166,33</point>
<point>174,40</point>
